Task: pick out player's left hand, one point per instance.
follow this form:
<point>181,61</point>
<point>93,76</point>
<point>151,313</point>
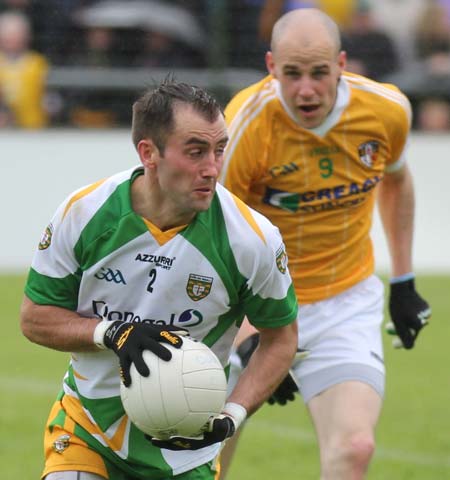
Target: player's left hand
<point>218,429</point>
<point>286,390</point>
<point>409,313</point>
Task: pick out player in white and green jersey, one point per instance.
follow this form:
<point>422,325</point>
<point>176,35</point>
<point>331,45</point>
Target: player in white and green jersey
<point>159,247</point>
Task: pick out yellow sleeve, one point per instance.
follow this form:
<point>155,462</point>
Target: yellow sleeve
<point>398,124</point>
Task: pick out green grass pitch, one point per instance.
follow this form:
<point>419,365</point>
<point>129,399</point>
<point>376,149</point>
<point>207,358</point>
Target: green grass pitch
<point>413,436</point>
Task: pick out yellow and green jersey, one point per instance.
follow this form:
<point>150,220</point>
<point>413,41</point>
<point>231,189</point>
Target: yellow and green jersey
<point>318,186</point>
<point>101,259</point>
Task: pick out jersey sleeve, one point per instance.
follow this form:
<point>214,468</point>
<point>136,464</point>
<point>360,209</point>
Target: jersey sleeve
<point>268,295</point>
<point>271,300</point>
<point>54,276</point>
<point>398,125</point>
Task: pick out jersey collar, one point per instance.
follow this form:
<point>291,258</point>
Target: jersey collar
<point>342,100</point>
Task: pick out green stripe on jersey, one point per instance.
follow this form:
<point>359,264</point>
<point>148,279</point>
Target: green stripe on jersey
<point>58,291</point>
<point>209,235</point>
<point>105,231</point>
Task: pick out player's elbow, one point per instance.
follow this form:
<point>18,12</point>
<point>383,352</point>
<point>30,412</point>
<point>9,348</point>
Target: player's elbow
<point>26,320</point>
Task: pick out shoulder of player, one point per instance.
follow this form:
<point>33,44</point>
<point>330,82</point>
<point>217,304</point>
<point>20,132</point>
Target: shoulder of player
<point>251,104</point>
<point>382,97</point>
<point>85,201</point>
<point>252,229</point>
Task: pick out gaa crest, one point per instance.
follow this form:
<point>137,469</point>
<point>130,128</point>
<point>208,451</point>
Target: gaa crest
<point>46,239</point>
<point>198,286</point>
<point>368,152</point>
<point>61,443</point>
<point>281,259</point>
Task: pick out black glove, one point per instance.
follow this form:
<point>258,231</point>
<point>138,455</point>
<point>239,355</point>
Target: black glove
<point>409,312</point>
<point>287,388</point>
<point>285,392</point>
<point>128,340</point>
<point>218,429</point>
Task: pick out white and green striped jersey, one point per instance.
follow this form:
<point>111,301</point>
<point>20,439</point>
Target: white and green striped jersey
<point>101,259</point>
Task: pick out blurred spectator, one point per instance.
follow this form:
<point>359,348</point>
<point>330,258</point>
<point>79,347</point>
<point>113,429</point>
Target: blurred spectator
<point>271,10</point>
<point>397,18</point>
<point>341,11</point>
<point>97,48</point>
<point>160,50</point>
<point>370,50</point>
<point>50,22</point>
<point>433,115</point>
<point>246,48</point>
<point>432,38</point>
<point>23,74</point>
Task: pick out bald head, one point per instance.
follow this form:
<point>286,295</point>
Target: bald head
<point>306,26</point>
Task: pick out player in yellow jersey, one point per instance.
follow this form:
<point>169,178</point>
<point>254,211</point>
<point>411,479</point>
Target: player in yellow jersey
<point>310,147</point>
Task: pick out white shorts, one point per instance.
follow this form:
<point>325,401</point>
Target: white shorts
<point>73,476</point>
<point>343,336</point>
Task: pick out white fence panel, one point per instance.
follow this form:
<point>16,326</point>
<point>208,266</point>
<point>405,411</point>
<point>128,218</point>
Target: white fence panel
<point>38,170</point>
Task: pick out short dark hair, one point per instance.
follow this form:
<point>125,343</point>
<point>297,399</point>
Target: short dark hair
<point>153,111</point>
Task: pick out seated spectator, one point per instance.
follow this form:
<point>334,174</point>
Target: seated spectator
<point>370,50</point>
<point>23,74</point>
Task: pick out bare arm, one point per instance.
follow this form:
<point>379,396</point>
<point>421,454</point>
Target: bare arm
<point>396,206</point>
<point>267,367</point>
<point>56,327</point>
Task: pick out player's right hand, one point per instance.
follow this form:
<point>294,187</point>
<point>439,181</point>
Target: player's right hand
<point>129,340</point>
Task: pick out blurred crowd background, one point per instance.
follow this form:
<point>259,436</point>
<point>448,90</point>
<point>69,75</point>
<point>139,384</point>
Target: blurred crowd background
<point>80,63</point>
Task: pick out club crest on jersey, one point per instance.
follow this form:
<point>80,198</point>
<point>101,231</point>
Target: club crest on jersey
<point>281,259</point>
<point>198,286</point>
<point>368,152</point>
<point>61,443</point>
<point>46,239</point>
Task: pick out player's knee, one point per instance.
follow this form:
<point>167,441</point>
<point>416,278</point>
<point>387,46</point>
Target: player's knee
<point>361,449</point>
<point>356,453</point>
<point>350,456</point>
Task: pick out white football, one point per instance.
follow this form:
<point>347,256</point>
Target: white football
<point>179,396</point>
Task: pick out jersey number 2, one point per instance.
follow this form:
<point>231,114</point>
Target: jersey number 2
<point>152,275</point>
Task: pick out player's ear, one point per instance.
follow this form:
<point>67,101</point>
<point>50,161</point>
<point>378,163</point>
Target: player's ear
<point>342,60</point>
<point>148,152</point>
<point>270,63</point>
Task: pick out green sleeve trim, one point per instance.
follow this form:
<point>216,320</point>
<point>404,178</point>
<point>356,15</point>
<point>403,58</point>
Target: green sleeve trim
<point>269,312</point>
<point>62,292</point>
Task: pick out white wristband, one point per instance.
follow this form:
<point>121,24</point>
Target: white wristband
<point>236,411</point>
<point>99,333</point>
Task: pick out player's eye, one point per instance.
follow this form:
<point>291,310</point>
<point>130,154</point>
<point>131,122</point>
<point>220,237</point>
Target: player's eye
<point>319,74</point>
<point>195,152</point>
